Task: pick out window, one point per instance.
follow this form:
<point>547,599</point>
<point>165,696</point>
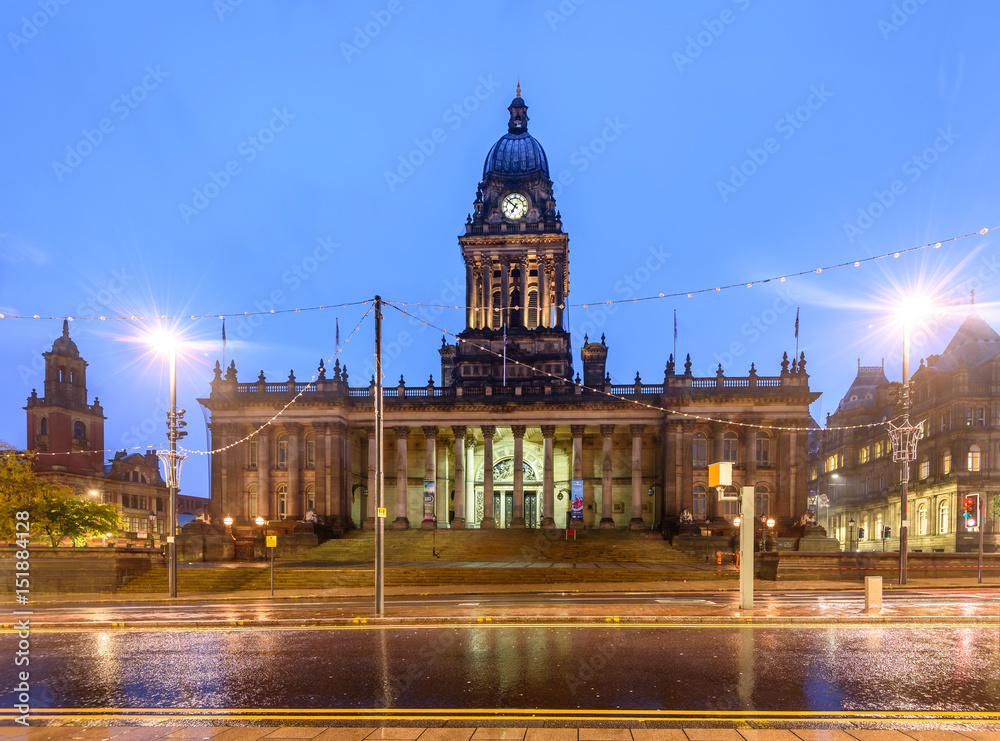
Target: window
<point>311,451</point>
<point>159,504</point>
<point>830,464</point>
<point>974,457</point>
<point>763,449</point>
<point>729,445</point>
<point>878,449</point>
<point>109,498</point>
<point>43,426</point>
<point>496,310</point>
<point>532,309</point>
<point>863,532</point>
<point>698,501</point>
<point>968,417</point>
<point>922,519</point>
<point>699,448</point>
<point>946,463</point>
<point>252,452</point>
<point>981,417</point>
<point>944,518</point>
<point>924,469</point>
<point>79,431</point>
<point>761,501</point>
<point>731,509</point>
<point>282,501</point>
<point>863,454</point>
<point>311,497</point>
<point>252,502</point>
<point>283,451</point>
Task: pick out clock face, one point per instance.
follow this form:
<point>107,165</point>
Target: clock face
<point>515,206</point>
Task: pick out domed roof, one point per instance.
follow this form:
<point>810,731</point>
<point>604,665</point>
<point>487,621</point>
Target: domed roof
<point>64,345</point>
<point>516,154</point>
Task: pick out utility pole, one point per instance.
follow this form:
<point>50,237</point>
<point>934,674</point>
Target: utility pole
<point>379,489</point>
<point>904,449</point>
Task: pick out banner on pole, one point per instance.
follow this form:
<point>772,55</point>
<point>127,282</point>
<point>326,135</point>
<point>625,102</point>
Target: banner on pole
<point>577,499</point>
<point>428,500</point>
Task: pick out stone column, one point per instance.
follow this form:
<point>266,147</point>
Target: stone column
<point>264,475</point>
<point>294,509</point>
<point>488,522</point>
<point>430,474</point>
<point>522,265</point>
<point>560,279</point>
<point>548,478</point>
<point>504,291</point>
<point>369,512</point>
<point>459,522</point>
<point>607,521</point>
<point>636,523</point>
<point>487,307</point>
<point>321,434</point>
<point>577,430</point>
<point>341,475</point>
<point>401,522</point>
<point>517,521</point>
<point>686,493</point>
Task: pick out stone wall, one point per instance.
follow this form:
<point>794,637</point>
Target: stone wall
<point>72,570</point>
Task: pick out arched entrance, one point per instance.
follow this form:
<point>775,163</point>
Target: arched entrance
<point>503,494</point>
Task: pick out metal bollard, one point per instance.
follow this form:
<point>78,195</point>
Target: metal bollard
<point>873,593</point>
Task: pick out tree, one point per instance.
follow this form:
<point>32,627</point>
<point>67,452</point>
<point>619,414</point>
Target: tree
<point>60,514</point>
<point>18,485</point>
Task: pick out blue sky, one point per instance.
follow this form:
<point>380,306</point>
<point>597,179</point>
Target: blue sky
<point>207,158</point>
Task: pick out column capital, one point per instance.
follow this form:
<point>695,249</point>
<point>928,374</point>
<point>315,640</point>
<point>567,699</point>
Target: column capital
<point>577,430</point>
<point>488,431</point>
<point>548,431</point>
<point>458,431</point>
<point>370,431</point>
<point>321,426</point>
<point>401,432</point>
<point>607,430</point>
<point>430,431</point>
<point>293,428</point>
<point>518,431</point>
<point>470,439</point>
<point>637,430</point>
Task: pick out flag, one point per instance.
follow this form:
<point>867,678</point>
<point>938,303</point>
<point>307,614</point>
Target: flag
<point>223,332</point>
<point>796,322</point>
<point>337,324</point>
<point>675,325</point>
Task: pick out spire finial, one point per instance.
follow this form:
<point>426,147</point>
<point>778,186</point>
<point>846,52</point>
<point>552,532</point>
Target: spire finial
<point>518,94</point>
<point>66,327</point>
<point>972,297</point>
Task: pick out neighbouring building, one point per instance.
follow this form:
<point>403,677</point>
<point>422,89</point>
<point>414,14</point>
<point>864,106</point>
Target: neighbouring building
<point>955,404</point>
<point>66,432</point>
<point>512,430</point>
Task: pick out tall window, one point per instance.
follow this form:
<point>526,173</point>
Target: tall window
<point>282,501</point>
<point>980,416</point>
<point>922,519</point>
<point>878,449</point>
<point>699,450</point>
<point>763,449</point>
<point>283,451</point>
<point>974,457</point>
<point>863,454</point>
<point>497,323</point>
<point>79,430</point>
<point>878,525</point>
<point>515,300</point>
<point>729,443</point>
<point>924,469</point>
<point>762,500</point>
<point>311,451</point>
<point>532,309</point>
<point>698,502</point>
<point>252,502</point>
<point>43,426</point>
<point>311,497</point>
<point>252,452</point>
<point>944,518</point>
<point>946,463</point>
<point>968,416</point>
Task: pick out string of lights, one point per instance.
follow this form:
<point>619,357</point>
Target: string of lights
<point>679,294</point>
<point>635,402</point>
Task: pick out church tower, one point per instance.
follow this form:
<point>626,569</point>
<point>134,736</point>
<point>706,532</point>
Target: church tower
<point>516,270</point>
<point>62,423</point>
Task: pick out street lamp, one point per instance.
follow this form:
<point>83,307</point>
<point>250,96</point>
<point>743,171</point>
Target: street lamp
<point>850,534</point>
<point>152,528</point>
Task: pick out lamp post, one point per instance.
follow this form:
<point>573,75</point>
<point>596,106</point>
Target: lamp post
<point>850,534</point>
<point>152,528</point>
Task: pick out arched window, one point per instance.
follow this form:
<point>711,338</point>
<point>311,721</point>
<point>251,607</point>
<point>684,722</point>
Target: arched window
<point>729,444</point>
<point>282,451</point>
<point>946,463</point>
<point>80,431</point>
<point>761,500</point>
<point>698,503</point>
<point>532,309</point>
<point>763,449</point>
<point>924,469</point>
<point>515,313</point>
<point>974,457</point>
<point>251,507</point>
<point>944,518</point>
<point>311,497</point>
<point>43,426</point>
<point>497,322</point>
<point>878,526</point>
<point>699,450</point>
<point>922,523</point>
<point>252,452</point>
<point>311,451</point>
<point>282,501</point>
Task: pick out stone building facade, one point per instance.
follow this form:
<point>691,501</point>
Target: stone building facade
<point>956,403</point>
<point>511,430</point>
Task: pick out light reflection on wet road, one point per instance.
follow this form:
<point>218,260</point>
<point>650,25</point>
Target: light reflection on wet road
<point>913,667</point>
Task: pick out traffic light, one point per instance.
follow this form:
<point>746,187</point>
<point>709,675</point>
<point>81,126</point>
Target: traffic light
<point>886,532</point>
<point>967,510</point>
<point>181,424</point>
<point>861,533</point>
<point>970,510</point>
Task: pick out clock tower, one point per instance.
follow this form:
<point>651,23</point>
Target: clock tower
<point>516,271</point>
